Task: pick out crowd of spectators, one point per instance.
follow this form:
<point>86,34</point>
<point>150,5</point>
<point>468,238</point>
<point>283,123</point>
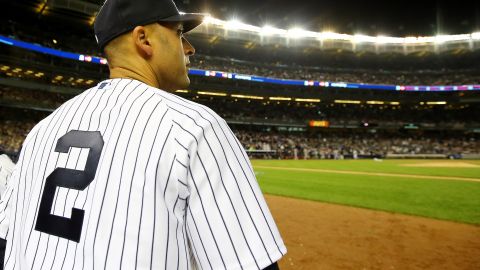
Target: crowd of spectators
<point>380,76</point>
<point>291,112</point>
<point>12,134</point>
<point>309,145</point>
<point>341,113</point>
<point>32,97</point>
<point>338,145</point>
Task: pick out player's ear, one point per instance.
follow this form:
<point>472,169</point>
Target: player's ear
<point>142,41</point>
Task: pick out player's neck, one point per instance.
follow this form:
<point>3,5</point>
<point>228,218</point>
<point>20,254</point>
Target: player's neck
<point>120,72</point>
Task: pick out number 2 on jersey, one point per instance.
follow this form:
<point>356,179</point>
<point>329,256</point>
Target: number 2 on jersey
<point>69,228</point>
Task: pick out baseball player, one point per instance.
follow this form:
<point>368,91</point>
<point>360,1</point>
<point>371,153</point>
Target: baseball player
<point>6,168</point>
<point>129,176</point>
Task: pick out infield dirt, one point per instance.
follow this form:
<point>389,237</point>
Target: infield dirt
<point>328,236</point>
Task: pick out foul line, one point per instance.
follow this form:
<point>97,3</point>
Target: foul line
<point>373,174</point>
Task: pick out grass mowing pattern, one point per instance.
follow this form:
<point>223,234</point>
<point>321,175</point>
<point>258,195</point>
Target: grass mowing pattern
<point>442,199</point>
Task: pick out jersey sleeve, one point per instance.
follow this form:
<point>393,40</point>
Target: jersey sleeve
<point>9,176</point>
<point>6,168</point>
<point>228,221</point>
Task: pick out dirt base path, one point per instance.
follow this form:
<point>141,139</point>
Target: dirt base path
<point>327,236</point>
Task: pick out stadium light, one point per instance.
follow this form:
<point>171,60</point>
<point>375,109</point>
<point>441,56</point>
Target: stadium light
<point>436,102</point>
<point>333,36</point>
<point>233,25</point>
<point>245,96</point>
<point>280,98</point>
<point>358,38</point>
<point>210,20</point>
<point>307,100</point>
<point>212,93</point>
<point>297,32</point>
<point>238,25</point>
<point>384,40</point>
<point>181,91</point>
<point>300,33</point>
<point>268,30</point>
<point>375,102</point>
<point>340,101</point>
<point>439,39</point>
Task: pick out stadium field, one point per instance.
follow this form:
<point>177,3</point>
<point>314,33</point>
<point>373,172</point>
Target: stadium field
<point>440,189</point>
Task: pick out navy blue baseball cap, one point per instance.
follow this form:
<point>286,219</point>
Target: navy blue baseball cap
<point>116,17</point>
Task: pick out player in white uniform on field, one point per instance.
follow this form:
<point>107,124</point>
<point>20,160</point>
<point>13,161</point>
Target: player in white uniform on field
<point>128,176</point>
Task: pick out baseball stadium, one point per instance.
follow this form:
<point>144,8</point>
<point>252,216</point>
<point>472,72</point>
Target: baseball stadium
<point>365,146</point>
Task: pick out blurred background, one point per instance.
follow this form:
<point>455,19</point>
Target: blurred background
<point>305,80</point>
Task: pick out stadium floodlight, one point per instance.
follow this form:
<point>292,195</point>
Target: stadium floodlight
<point>233,25</point>
<point>410,40</point>
<point>441,39</point>
<point>426,39</point>
<point>295,33</point>
<point>300,33</point>
<point>391,40</point>
<point>181,91</point>
<point>238,25</point>
<point>359,38</point>
<point>326,35</point>
<point>461,37</point>
<point>445,38</point>
<point>419,40</point>
<point>211,20</point>
<point>268,30</point>
<point>334,36</point>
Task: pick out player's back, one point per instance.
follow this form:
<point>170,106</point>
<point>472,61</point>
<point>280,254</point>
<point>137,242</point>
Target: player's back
<point>85,193</point>
<point>126,176</point>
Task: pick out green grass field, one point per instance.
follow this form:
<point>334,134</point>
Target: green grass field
<point>401,188</point>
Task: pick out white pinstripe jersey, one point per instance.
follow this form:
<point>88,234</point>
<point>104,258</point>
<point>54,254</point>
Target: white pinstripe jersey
<point>6,168</point>
<point>127,176</point>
